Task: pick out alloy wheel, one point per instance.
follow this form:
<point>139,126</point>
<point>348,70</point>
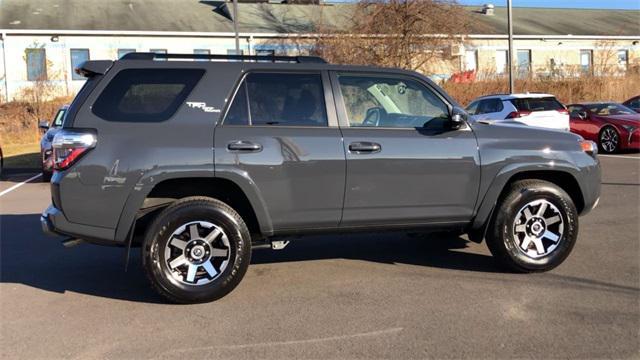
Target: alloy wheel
<point>197,253</point>
<point>538,228</point>
<point>609,139</point>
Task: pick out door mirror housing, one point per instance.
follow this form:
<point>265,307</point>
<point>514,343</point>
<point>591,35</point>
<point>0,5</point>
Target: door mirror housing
<point>583,115</point>
<point>457,117</point>
<point>43,124</point>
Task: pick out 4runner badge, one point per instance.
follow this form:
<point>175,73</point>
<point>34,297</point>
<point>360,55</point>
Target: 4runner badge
<point>203,106</point>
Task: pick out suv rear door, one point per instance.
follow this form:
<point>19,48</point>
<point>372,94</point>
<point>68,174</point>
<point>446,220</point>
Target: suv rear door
<point>280,134</point>
<point>405,165</point>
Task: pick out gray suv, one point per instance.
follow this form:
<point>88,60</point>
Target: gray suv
<point>199,161</point>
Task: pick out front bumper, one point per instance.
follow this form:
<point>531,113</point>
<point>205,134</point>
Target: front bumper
<point>633,141</point>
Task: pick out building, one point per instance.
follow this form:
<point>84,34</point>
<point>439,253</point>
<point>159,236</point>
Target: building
<point>43,41</point>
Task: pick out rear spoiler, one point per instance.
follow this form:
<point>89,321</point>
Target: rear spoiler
<point>94,67</point>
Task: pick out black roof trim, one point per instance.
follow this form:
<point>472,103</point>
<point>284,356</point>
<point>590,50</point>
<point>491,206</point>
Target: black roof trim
<point>255,58</point>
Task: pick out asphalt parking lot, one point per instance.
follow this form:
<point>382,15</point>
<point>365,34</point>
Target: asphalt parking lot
<point>350,296</point>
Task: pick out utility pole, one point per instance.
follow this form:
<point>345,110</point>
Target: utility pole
<point>510,52</point>
<point>235,26</point>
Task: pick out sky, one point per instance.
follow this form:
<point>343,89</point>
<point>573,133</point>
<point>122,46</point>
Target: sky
<point>588,4</point>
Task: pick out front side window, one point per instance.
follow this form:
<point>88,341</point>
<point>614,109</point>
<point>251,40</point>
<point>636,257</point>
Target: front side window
<point>146,95</point>
<point>278,99</point>
<point>36,64</point>
<point>78,56</point>
<point>390,102</point>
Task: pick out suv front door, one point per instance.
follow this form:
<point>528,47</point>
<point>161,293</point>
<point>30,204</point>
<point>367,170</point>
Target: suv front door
<point>280,138</point>
<point>405,165</point>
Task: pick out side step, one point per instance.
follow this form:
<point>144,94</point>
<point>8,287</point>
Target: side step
<point>273,245</point>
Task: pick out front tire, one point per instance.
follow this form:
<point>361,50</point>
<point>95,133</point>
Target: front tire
<point>534,228</point>
<point>609,140</point>
<point>196,250</point>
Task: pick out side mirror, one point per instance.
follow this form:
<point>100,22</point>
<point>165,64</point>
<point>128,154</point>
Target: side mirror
<point>457,117</point>
<point>582,115</point>
<point>43,124</point>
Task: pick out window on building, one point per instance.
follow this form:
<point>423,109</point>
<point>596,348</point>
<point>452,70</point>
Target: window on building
<point>586,61</point>
<point>470,60</point>
<point>279,99</point>
<point>36,64</point>
<point>501,61</point>
<point>78,56</point>
<point>123,52</point>
<point>146,95</point>
<point>623,59</point>
<point>201,52</point>
<point>524,63</point>
<point>159,51</point>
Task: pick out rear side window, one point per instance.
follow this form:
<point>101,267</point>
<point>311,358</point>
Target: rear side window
<point>280,100</point>
<point>146,95</point>
<point>537,104</point>
<point>490,106</point>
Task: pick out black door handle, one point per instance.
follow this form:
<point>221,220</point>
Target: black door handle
<point>242,145</point>
<point>361,147</point>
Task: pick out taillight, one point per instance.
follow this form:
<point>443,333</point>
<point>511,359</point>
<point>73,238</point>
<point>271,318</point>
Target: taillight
<point>71,145</point>
<point>517,114</point>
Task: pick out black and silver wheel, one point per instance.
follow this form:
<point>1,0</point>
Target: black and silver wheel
<point>609,140</point>
<point>196,250</point>
<point>534,228</point>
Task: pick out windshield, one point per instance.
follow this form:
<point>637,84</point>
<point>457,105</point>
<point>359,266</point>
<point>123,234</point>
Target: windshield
<point>609,109</point>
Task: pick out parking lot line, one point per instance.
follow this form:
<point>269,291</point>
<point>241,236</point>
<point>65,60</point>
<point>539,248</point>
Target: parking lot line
<point>20,184</point>
<point>621,156</point>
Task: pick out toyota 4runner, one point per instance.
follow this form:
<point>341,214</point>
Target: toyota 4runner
<point>199,161</point>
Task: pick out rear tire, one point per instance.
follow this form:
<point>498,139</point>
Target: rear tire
<point>196,250</point>
<point>534,228</point>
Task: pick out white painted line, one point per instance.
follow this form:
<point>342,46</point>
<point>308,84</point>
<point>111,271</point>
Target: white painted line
<point>292,342</point>
<point>621,156</point>
<point>20,184</point>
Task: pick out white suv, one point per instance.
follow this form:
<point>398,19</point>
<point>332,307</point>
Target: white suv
<point>541,110</point>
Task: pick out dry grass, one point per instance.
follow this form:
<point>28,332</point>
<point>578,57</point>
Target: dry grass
<point>567,90</point>
<point>19,123</point>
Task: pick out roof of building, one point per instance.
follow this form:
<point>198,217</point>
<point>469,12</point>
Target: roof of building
<point>211,16</point>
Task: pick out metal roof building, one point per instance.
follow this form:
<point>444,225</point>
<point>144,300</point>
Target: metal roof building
<point>42,40</point>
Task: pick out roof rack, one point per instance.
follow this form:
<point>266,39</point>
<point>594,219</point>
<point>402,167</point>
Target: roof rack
<point>255,58</point>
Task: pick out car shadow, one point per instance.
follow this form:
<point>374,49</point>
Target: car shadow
<point>29,257</point>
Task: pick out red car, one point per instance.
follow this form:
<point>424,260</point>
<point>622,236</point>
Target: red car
<point>633,103</point>
<point>612,126</point>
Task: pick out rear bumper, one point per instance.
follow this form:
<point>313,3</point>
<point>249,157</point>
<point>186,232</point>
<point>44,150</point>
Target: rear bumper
<point>53,222</point>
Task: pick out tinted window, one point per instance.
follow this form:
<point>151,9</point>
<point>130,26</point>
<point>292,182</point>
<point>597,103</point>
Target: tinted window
<point>36,64</point>
<point>490,106</point>
<point>537,104</point>
<point>390,102</point>
<point>146,94</point>
<point>286,99</point>
<point>78,56</point>
<point>238,114</point>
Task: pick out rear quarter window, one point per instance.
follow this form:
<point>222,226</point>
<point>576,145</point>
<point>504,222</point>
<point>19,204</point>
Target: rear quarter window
<point>146,95</point>
<point>537,104</point>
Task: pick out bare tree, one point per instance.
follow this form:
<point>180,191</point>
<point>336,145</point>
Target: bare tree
<point>407,34</point>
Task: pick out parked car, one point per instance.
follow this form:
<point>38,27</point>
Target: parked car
<point>540,110</point>
<point>50,129</point>
<point>200,162</point>
<point>633,103</point>
<point>612,126</point>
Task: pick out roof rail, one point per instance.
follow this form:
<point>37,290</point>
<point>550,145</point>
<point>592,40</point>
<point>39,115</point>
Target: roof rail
<point>263,58</point>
